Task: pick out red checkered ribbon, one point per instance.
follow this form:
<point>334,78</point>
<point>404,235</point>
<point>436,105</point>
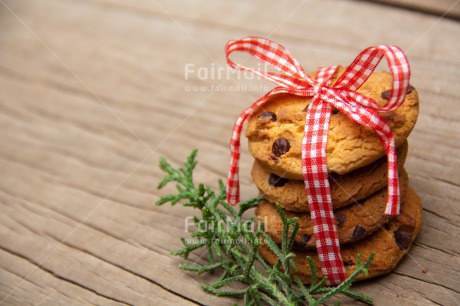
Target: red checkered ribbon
<point>342,96</point>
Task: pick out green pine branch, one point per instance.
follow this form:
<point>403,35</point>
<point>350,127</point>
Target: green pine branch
<point>232,242</point>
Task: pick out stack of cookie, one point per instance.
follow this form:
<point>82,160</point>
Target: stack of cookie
<point>357,168</point>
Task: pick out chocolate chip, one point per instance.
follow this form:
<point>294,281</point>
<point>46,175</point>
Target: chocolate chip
<point>300,245</point>
<point>403,239</point>
<point>410,89</point>
<point>386,94</point>
<point>358,231</point>
<point>335,111</point>
<point>340,218</point>
<point>348,263</point>
<point>306,238</point>
<point>388,115</point>
<point>277,181</point>
<point>272,115</point>
<point>280,146</point>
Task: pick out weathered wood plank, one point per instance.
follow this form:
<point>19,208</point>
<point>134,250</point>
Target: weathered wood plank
<point>44,243</point>
<point>93,92</point>
<point>450,8</point>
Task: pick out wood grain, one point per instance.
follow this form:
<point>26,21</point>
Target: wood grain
<point>447,8</point>
<point>93,92</point>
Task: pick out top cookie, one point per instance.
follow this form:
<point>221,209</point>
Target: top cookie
<point>275,130</point>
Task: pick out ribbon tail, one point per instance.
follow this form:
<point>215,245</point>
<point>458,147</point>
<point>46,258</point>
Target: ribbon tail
<point>385,134</point>
<point>315,173</point>
<point>371,118</point>
<point>233,186</point>
<point>394,194</point>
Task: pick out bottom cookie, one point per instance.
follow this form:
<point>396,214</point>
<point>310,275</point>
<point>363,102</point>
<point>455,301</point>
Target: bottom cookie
<point>389,244</point>
<point>354,222</point>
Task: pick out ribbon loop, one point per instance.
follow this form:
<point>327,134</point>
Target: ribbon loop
<point>366,62</point>
<point>273,54</point>
<point>342,96</point>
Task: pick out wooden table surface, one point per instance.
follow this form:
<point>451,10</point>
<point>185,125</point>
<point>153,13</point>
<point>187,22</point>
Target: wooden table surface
<point>92,93</point>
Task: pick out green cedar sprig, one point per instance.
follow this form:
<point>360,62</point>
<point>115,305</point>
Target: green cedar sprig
<point>232,246</point>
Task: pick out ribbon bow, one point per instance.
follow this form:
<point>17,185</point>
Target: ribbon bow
<point>342,96</point>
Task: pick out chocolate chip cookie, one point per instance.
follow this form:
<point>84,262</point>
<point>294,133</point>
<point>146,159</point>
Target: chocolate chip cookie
<point>275,130</point>
<point>389,244</point>
<point>345,189</point>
